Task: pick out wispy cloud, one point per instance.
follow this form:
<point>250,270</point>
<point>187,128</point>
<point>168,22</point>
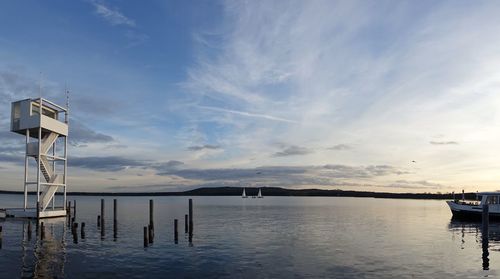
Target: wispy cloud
<point>113,16</point>
<point>443,142</point>
<point>248,114</point>
<point>293,150</point>
<point>201,147</point>
<point>340,147</point>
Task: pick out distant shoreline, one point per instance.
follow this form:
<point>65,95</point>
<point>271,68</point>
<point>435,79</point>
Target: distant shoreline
<point>272,191</point>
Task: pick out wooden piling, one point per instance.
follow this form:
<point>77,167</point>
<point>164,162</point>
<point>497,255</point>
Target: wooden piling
<point>176,233</point>
<point>37,211</point>
<point>75,233</point>
<point>486,218</point>
<point>151,221</point>
<point>146,242</point>
<point>98,221</point>
<point>69,209</point>
<point>1,236</point>
<point>42,231</point>
<point>102,219</point>
<point>186,226</point>
<point>115,222</point>
<point>190,216</point>
<point>83,230</point>
<point>29,230</point>
<point>74,208</point>
<point>150,234</point>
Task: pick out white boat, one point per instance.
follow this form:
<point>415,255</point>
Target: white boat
<point>244,195</point>
<point>473,209</point>
<point>260,194</point>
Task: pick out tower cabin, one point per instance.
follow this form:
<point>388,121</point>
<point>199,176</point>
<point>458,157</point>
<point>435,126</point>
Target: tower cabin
<point>45,127</point>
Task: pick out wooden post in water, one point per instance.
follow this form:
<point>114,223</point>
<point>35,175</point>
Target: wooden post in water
<point>74,209</point>
<point>486,219</point>
<point>151,221</point>
<point>1,236</point>
<point>186,227</point>
<point>42,231</point>
<point>29,230</point>
<point>150,231</point>
<point>37,211</point>
<point>176,232</point>
<point>75,234</point>
<point>190,217</point>
<point>115,222</point>
<point>102,218</point>
<point>98,221</point>
<point>83,230</point>
<point>69,209</point>
<point>146,242</point>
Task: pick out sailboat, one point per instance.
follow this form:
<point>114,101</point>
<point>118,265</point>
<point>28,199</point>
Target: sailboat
<point>260,194</point>
<point>244,195</point>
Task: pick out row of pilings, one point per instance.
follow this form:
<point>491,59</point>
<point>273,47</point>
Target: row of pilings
<point>78,229</point>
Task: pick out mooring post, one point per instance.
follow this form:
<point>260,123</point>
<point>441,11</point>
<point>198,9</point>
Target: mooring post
<point>98,221</point>
<point>190,216</point>
<point>151,221</point>
<point>176,233</point>
<point>42,231</point>
<point>186,224</point>
<point>150,236</point>
<point>83,230</point>
<point>486,219</point>
<point>74,208</point>
<point>146,242</point>
<point>37,211</point>
<point>75,234</point>
<point>102,218</point>
<point>115,222</point>
<point>29,230</point>
<point>69,209</point>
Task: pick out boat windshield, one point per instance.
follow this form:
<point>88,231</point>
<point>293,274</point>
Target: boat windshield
<point>493,200</point>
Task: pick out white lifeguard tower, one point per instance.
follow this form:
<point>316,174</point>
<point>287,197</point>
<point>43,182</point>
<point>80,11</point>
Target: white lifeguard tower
<point>42,123</point>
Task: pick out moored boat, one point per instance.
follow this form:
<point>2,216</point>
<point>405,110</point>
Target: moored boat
<point>473,210</point>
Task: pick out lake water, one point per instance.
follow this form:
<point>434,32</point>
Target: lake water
<point>274,237</point>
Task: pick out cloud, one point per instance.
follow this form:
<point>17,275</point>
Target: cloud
<point>113,16</point>
<point>292,151</point>
<point>105,163</point>
<point>202,147</point>
<point>165,167</point>
<point>248,114</point>
<point>340,147</point>
<point>81,134</point>
<point>419,184</point>
<point>443,142</point>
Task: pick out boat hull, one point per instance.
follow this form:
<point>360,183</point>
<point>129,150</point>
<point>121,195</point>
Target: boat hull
<point>470,212</point>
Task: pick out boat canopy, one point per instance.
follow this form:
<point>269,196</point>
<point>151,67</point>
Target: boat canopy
<point>496,193</point>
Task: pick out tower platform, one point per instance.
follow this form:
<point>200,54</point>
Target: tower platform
<point>31,213</point>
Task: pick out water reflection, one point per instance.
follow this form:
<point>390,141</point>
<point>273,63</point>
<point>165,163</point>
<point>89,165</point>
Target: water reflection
<point>489,239</point>
<point>43,258</point>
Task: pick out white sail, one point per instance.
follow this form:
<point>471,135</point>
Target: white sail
<point>260,194</point>
<point>244,195</point>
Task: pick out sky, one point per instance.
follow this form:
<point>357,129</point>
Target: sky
<point>393,96</point>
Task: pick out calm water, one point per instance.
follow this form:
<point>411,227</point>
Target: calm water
<point>274,237</point>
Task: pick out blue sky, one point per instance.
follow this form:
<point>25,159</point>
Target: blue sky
<point>173,95</point>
